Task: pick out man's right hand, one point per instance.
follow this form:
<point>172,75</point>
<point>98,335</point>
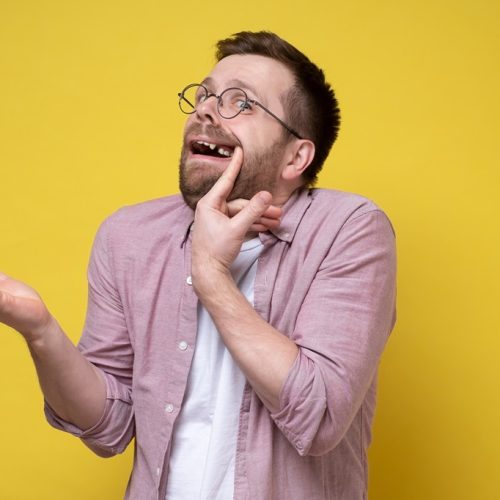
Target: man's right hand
<point>22,308</point>
<point>71,385</point>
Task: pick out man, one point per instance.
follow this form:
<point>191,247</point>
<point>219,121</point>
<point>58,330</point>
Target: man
<point>237,341</point>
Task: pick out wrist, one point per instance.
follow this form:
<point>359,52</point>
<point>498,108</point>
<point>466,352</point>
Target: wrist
<point>210,281</point>
<point>38,337</point>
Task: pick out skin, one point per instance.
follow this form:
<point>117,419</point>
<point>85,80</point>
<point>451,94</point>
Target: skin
<point>263,353</point>
<point>73,387</point>
<point>272,161</point>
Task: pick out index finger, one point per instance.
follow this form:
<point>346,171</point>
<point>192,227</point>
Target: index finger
<point>224,185</point>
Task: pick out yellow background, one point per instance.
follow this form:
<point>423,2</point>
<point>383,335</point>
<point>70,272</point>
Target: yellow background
<point>89,122</point>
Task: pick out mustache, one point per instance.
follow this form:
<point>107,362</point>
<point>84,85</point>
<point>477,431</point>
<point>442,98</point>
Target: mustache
<point>212,132</point>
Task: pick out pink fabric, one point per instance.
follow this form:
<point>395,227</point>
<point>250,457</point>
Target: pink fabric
<point>326,279</point>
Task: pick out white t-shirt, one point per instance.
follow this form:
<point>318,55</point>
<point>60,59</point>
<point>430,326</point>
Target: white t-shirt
<point>204,440</point>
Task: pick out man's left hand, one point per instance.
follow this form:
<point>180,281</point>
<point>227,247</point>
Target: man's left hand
<point>221,226</point>
<point>263,353</point>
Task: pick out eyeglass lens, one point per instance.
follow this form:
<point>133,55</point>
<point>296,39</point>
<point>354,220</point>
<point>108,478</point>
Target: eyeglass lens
<point>230,103</point>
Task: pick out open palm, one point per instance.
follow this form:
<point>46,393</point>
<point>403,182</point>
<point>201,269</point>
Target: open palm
<point>22,308</point>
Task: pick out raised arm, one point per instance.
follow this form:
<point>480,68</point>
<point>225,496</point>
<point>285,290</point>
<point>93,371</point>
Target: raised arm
<point>72,386</point>
<point>262,352</point>
<point>313,378</point>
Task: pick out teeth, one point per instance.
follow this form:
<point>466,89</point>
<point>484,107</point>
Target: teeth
<point>221,151</point>
<point>208,144</point>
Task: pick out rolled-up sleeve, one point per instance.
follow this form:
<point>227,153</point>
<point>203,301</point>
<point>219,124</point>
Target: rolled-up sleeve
<point>341,331</point>
<point>106,344</point>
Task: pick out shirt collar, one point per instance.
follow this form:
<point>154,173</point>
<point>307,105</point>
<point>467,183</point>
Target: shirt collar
<point>293,211</point>
<point>188,225</point>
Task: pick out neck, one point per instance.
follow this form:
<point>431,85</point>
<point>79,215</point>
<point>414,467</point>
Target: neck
<point>282,194</point>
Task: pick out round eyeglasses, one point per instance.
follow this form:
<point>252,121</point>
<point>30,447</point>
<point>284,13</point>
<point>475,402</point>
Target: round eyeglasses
<point>230,103</point>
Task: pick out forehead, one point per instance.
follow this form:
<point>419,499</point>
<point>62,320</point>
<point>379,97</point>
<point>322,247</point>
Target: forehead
<point>262,75</point>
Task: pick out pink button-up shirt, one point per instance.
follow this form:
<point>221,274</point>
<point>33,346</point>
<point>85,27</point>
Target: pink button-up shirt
<point>325,278</point>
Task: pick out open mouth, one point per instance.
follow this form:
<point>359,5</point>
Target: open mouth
<point>211,149</point>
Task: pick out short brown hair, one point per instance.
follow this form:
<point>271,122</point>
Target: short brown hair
<point>311,105</point>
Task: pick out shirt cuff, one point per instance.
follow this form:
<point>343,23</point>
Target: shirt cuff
<point>114,430</point>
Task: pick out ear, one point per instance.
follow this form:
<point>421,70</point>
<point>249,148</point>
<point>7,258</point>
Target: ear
<point>299,157</point>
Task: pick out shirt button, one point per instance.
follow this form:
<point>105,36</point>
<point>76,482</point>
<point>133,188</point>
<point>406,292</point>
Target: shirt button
<point>169,408</point>
<point>183,345</point>
<point>158,471</point>
<point>189,280</point>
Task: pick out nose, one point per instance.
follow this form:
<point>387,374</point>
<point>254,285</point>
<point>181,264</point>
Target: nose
<point>207,110</point>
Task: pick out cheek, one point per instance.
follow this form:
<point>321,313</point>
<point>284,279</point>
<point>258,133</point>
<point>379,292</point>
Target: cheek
<point>255,138</point>
<point>188,122</point>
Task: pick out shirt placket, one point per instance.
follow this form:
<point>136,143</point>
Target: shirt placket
<point>185,340</point>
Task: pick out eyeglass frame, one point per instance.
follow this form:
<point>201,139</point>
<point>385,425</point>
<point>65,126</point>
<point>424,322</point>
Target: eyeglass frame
<point>219,100</point>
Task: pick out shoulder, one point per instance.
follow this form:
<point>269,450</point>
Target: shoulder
<point>150,211</point>
<point>341,201</point>
<point>320,216</point>
<point>147,221</point>
<point>341,207</point>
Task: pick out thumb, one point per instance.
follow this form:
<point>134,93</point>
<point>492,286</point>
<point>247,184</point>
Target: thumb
<point>7,307</point>
<point>5,301</point>
<point>253,211</point>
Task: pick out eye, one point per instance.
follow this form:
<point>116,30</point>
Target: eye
<point>201,96</point>
<point>235,100</point>
<point>244,105</point>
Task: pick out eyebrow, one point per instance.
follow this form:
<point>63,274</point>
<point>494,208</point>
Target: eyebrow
<point>236,82</point>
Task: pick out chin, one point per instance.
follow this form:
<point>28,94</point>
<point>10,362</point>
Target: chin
<point>194,184</point>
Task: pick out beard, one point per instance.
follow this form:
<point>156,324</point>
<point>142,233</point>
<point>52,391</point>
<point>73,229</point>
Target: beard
<point>258,171</point>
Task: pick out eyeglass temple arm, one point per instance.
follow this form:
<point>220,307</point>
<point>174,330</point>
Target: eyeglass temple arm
<point>296,134</point>
<point>181,96</point>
